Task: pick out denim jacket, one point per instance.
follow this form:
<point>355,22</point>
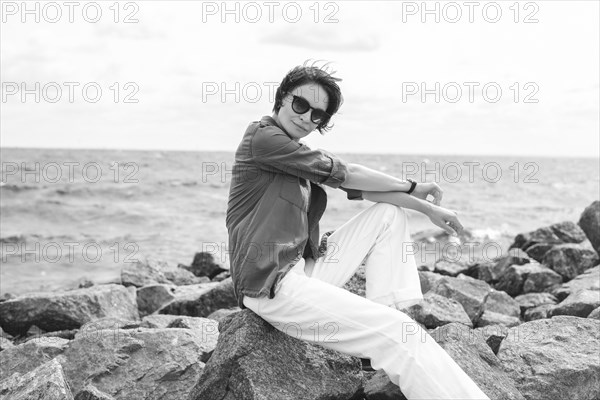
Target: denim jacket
<point>275,204</point>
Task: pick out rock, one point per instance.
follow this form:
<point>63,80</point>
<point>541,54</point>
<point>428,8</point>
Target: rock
<point>356,284</point>
<point>590,279</point>
<point>206,329</point>
<point>590,224</point>
<point>222,313</point>
<point>490,271</point>
<point>67,310</point>
<point>468,348</point>
<point>570,259</point>
<point>6,296</point>
<point>562,232</point>
<point>541,280</point>
<point>539,250</point>
<point>379,387</point>
<point>428,280</point>
<point>435,310</point>
<point>151,298</point>
<point>471,293</point>
<point>117,326</point>
<point>5,343</point>
<point>144,272</point>
<point>221,277</point>
<point>34,331</point>
<point>137,363</point>
<point>90,392</point>
<point>555,358</point>
<point>494,318</point>
<point>493,335</point>
<point>160,320</point>
<point>27,356</point>
<point>181,276</point>
<point>530,300</point>
<point>68,334</point>
<point>445,267</point>
<point>514,279</point>
<point>201,303</point>
<point>580,304</point>
<point>595,314</point>
<point>46,382</point>
<point>5,335</point>
<point>204,264</point>
<point>500,302</point>
<point>538,312</point>
<point>109,323</point>
<point>540,241</point>
<point>289,368</point>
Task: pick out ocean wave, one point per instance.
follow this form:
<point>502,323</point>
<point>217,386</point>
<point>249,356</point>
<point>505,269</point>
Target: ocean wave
<point>11,187</point>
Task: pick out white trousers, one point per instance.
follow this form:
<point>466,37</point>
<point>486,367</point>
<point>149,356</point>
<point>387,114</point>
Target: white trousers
<point>316,309</point>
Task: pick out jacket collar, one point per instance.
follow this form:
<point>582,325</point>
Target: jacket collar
<point>269,121</point>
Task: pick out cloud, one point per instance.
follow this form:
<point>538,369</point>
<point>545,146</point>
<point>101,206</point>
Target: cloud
<point>322,38</point>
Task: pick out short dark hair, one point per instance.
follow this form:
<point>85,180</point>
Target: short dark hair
<point>304,74</point>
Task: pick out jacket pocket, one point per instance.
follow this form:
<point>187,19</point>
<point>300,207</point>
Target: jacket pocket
<point>295,192</point>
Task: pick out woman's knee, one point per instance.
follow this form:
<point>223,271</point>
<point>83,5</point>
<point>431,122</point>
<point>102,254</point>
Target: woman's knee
<point>389,211</point>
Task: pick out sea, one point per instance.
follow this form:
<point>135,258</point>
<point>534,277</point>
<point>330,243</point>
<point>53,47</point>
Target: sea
<point>69,215</point>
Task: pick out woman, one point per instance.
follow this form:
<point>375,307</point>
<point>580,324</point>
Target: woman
<point>280,272</point>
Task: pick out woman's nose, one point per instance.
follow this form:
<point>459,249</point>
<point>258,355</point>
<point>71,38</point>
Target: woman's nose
<point>306,116</point>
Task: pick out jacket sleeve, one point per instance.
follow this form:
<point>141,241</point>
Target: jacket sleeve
<point>272,149</point>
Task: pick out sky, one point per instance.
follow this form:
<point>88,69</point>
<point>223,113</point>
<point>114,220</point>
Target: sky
<point>495,78</point>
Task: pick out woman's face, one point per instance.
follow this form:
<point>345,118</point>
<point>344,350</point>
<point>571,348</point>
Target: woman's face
<point>299,125</point>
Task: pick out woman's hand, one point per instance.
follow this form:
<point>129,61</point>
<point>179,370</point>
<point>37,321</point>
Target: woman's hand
<point>445,219</point>
<point>422,190</point>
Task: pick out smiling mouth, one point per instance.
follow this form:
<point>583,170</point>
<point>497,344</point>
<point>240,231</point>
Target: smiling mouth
<point>300,127</point>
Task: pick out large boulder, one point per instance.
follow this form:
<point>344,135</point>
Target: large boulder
<point>90,392</point>
<point>27,356</point>
<point>491,271</point>
<point>144,272</point>
<point>137,363</point>
<point>180,276</point>
<point>204,264</point>
<point>580,303</point>
<point>500,308</point>
<point>469,292</point>
<point>538,242</point>
<point>428,280</point>
<point>222,313</point>
<point>570,259</point>
<point>527,278</point>
<point>435,310</point>
<point>450,268</point>
<point>253,360</point>
<point>530,300</point>
<point>590,279</point>
<point>554,358</point>
<point>562,232</point>
<point>590,224</point>
<point>151,298</point>
<point>204,300</point>
<point>46,382</point>
<point>471,352</point>
<point>67,310</point>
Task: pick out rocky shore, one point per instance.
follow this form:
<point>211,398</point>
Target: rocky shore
<point>524,325</point>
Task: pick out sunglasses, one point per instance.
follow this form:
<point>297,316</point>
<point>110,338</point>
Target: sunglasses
<point>300,106</point>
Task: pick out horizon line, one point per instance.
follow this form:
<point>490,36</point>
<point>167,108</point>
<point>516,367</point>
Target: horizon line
<point>339,152</point>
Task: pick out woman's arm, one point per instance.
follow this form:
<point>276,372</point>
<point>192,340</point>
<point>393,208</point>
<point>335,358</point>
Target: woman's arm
<point>442,217</point>
<point>364,178</point>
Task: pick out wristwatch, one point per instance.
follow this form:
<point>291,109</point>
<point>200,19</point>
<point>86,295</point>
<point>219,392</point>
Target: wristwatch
<point>413,185</point>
